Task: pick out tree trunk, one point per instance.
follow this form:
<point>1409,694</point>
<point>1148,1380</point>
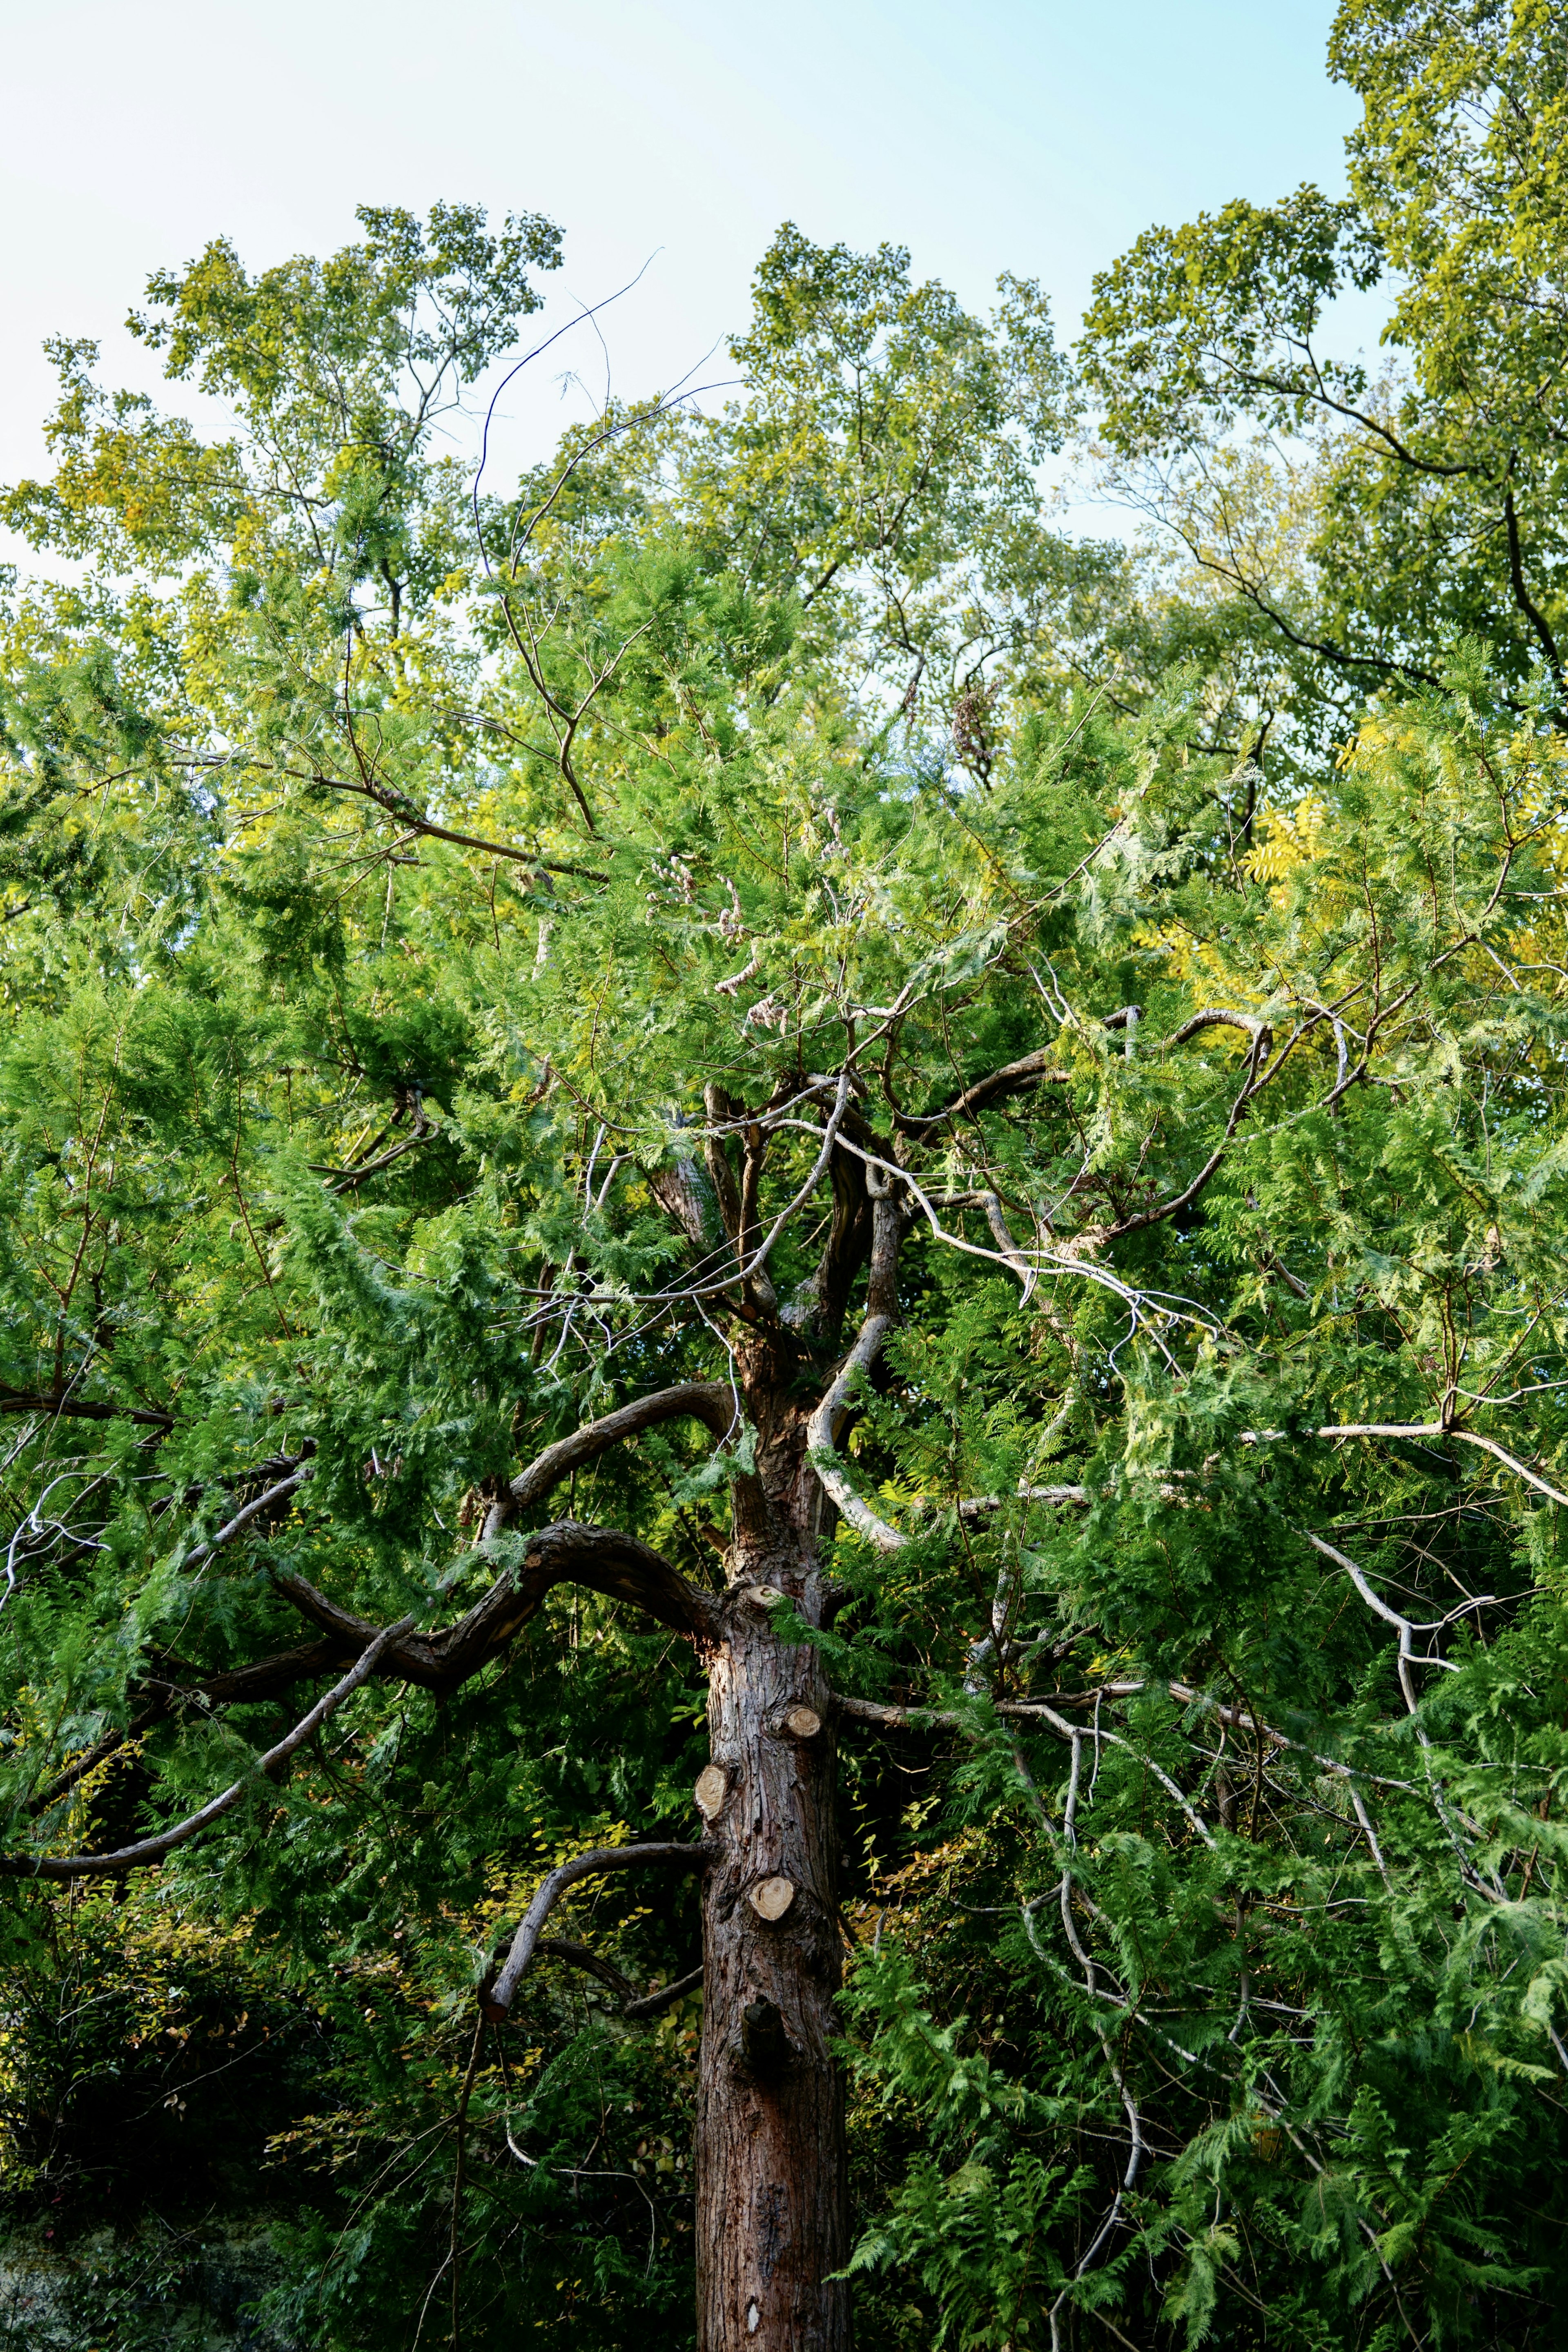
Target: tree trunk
<point>772,2194</point>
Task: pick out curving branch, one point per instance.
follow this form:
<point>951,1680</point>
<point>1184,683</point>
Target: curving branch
<point>1032,1070</point>
<point>881,1311</point>
<point>1217,1016</point>
<point>497,2003</point>
<point>153,1848</point>
<point>1035,1069</point>
<point>602,1559</point>
<point>709,1401</point>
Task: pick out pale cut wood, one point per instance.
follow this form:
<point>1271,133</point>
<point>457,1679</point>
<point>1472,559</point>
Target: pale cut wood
<point>772,1898</point>
<point>804,1721</point>
<point>712,1785</point>
<point>765,1596</point>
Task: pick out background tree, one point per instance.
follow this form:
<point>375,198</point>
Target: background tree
<point>1357,523</point>
<point>609,1265</point>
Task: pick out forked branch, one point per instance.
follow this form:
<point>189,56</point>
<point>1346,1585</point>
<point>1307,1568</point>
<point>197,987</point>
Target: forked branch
<point>497,2003</point>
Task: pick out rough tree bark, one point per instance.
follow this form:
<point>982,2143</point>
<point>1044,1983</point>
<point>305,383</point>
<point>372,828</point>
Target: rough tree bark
<point>773,2206</point>
<point>772,2194</point>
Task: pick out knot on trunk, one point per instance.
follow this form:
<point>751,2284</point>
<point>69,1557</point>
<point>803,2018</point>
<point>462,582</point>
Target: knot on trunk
<point>762,2047</point>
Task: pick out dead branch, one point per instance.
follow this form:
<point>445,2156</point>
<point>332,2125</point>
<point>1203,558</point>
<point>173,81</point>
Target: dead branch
<point>583,1865</point>
<point>881,1309</point>
<point>153,1848</point>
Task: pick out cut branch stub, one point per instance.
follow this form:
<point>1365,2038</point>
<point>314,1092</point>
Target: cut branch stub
<point>770,1897</point>
<point>712,1787</point>
<point>803,1722</point>
<point>765,1596</point>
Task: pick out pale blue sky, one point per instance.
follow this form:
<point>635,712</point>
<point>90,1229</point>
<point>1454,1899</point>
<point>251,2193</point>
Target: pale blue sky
<point>1029,135</point>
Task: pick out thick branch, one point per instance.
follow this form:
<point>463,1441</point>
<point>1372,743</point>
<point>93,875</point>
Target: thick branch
<point>650,2004</point>
<point>1034,1069</point>
<point>721,1114</point>
<point>82,1409</point>
<point>1216,1016</point>
<point>602,1559</point>
<point>845,1250</point>
<point>680,1193</point>
<point>583,1865</point>
<point>1521,595</point>
<point>709,1401</point>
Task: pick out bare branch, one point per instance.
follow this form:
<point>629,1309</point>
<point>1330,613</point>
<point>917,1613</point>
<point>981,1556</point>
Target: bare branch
<point>396,805</point>
<point>709,1401</point>
<point>1256,1077</point>
<point>153,1848</point>
<point>582,1865</point>
<point>881,1309</point>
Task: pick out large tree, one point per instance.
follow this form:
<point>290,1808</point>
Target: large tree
<point>534,1113</point>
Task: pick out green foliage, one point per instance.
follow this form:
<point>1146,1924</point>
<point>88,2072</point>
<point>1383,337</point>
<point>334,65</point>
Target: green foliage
<point>1351,525</point>
<point>428,926</point>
